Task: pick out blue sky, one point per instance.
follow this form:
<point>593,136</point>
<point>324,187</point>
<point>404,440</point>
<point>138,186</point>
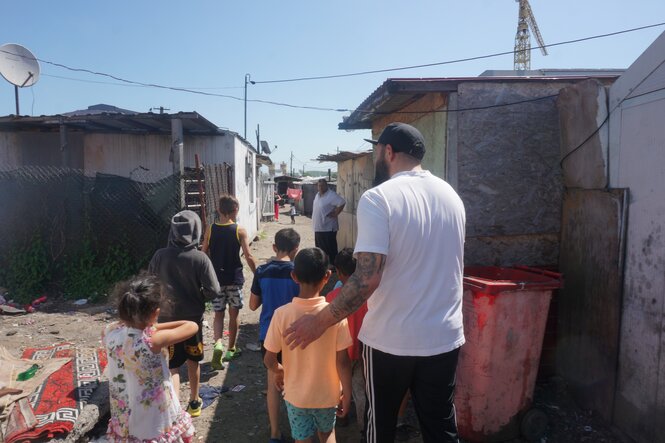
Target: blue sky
<point>211,45</point>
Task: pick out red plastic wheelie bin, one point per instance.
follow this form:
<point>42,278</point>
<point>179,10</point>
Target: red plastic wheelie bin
<point>505,312</point>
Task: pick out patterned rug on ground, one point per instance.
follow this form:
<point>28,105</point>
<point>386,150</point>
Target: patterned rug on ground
<point>58,401</point>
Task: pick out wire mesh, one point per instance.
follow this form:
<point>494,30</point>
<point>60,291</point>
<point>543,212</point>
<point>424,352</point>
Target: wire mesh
<point>67,208</point>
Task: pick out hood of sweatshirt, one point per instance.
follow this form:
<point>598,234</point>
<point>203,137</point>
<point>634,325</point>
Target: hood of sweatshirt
<point>185,230</point>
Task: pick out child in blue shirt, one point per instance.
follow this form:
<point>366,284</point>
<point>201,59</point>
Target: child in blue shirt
<point>272,288</point>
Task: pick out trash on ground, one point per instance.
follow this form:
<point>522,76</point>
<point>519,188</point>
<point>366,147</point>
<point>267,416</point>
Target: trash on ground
<point>11,310</point>
<point>28,374</point>
<point>81,301</point>
<point>237,388</point>
<point>209,393</point>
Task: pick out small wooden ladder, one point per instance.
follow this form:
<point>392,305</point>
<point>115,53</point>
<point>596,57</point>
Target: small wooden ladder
<point>195,196</point>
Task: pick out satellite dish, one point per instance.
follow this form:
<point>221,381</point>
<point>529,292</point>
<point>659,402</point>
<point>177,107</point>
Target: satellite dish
<point>18,66</point>
<point>264,147</point>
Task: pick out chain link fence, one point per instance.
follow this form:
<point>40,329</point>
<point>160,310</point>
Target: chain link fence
<point>67,231</point>
<point>63,230</point>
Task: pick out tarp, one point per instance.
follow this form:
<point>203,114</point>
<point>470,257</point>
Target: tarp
<point>295,194</point>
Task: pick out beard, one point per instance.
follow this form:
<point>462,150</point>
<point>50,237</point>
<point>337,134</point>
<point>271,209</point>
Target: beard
<point>381,173</point>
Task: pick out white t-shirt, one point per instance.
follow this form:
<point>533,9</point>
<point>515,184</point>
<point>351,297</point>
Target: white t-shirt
<point>323,205</point>
<point>417,221</point>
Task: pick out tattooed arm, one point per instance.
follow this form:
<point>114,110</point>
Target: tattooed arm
<point>359,287</point>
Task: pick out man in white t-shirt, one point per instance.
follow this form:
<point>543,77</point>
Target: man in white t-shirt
<point>327,206</point>
<point>410,259</point>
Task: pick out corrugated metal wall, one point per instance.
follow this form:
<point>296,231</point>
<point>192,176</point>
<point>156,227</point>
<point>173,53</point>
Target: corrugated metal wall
<point>353,178</point>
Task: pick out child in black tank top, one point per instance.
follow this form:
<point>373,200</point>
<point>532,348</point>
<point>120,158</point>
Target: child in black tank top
<point>223,242</point>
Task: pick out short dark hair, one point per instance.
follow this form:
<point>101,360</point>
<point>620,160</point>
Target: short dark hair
<point>310,265</point>
<point>138,298</point>
<point>345,262</point>
<point>286,240</point>
<point>228,204</point>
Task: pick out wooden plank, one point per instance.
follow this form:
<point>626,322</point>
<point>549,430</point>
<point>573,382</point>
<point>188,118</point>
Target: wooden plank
<point>591,261</point>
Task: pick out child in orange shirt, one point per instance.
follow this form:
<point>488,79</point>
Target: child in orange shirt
<point>310,377</point>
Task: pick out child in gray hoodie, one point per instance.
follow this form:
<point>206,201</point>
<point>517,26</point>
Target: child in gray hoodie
<point>188,277</point>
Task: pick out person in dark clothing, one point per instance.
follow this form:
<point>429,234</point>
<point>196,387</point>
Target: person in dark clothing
<point>188,278</point>
<point>223,242</point>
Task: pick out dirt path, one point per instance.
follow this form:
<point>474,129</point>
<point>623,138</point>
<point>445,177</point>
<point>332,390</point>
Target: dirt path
<point>241,416</point>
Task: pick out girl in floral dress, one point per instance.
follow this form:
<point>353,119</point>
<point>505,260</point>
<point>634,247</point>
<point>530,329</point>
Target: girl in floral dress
<point>144,404</point>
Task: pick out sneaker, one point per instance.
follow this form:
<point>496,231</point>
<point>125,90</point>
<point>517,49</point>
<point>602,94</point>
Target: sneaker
<point>217,353</point>
<point>194,407</point>
<point>232,354</point>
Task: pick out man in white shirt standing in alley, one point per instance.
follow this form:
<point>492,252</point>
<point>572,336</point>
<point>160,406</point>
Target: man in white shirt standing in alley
<point>327,206</point>
<point>409,268</point>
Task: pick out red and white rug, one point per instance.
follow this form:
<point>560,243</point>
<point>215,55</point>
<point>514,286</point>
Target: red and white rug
<point>57,403</point>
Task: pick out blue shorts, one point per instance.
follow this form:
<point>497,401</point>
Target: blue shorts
<point>306,421</point>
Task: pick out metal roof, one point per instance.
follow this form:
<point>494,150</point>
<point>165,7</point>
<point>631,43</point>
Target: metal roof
<point>286,178</point>
<point>397,93</point>
<point>342,156</point>
<point>101,121</point>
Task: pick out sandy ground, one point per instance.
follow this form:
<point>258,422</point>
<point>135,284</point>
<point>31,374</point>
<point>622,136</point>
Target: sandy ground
<point>241,416</point>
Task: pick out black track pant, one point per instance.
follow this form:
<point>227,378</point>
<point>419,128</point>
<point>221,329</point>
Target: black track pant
<point>328,242</point>
<point>432,384</point>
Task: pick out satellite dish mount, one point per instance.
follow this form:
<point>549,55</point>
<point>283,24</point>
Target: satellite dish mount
<point>19,67</point>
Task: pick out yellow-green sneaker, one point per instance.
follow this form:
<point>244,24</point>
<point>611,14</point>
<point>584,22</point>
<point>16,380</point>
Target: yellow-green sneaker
<point>232,353</point>
<point>217,353</point>
<point>194,407</point>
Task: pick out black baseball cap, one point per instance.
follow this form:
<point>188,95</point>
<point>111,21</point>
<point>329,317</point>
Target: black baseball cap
<point>403,138</point>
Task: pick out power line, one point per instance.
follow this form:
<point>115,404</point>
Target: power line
<point>449,62</point>
<point>137,86</point>
<point>611,111</point>
<point>320,108</point>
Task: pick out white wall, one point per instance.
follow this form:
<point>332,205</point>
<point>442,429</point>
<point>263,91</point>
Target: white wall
<point>213,149</point>
<point>123,154</point>
<point>245,186</point>
<point>120,154</point>
<point>637,162</point>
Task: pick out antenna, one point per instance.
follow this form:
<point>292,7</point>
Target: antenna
<point>19,67</point>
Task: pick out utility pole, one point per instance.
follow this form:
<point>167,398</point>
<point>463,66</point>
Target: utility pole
<point>247,80</point>
<point>258,138</point>
<point>291,163</point>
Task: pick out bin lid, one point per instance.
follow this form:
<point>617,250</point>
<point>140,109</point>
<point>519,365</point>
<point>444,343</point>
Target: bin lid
<point>495,279</point>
